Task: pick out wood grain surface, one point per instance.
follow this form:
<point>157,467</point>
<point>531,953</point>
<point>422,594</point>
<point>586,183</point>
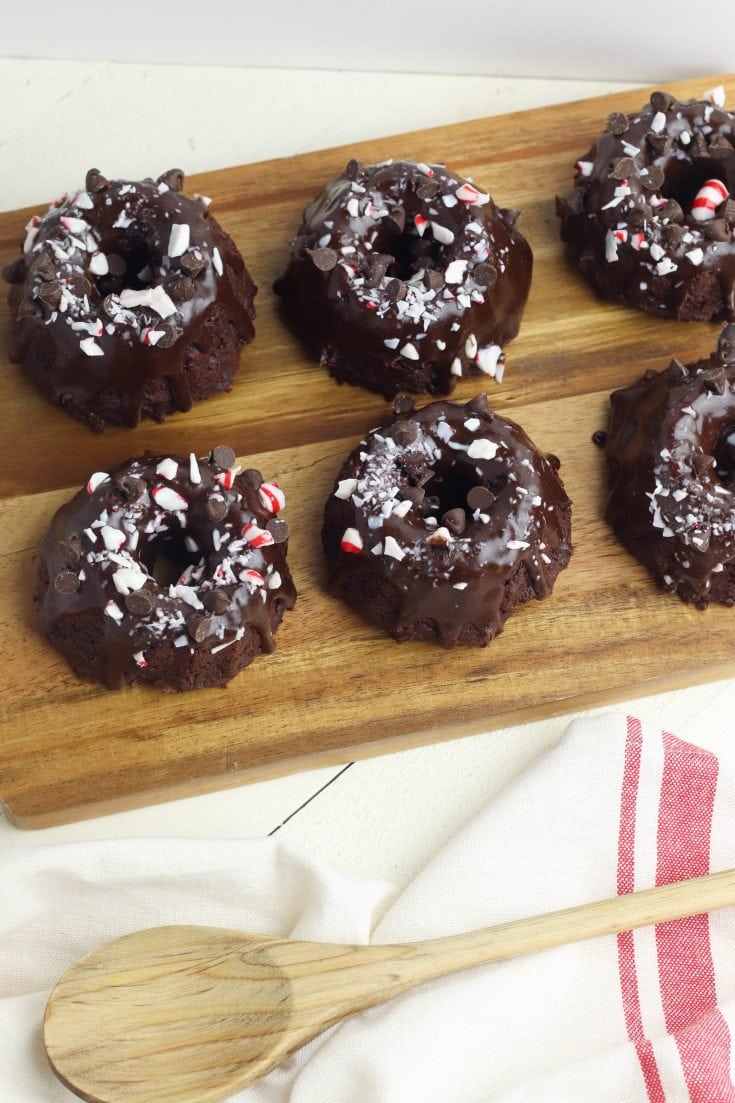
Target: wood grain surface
<point>337,688</point>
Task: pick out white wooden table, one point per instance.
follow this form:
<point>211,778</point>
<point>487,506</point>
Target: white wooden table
<point>383,817</point>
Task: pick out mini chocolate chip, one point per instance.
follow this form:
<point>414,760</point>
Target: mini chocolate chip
<point>403,404</point>
<point>215,509</point>
<point>192,263</point>
<point>622,168</point>
<point>278,530</point>
<point>720,147</point>
<point>717,230</point>
<point>95,181</point>
<point>429,505</point>
<point>15,272</point>
<point>479,497</point>
<point>433,279</point>
<point>455,520</point>
<point>554,461</point>
<point>662,101</point>
<point>660,143</point>
<point>216,602</point>
<point>413,494</point>
<point>223,456</point>
<point>676,372</point>
<point>427,189</point>
<point>698,145</point>
<point>111,306</point>
<point>131,487</point>
<point>714,379</point>
<point>27,309</point>
<point>484,274</point>
<point>702,464</point>
<point>726,344</point>
<point>200,627</point>
<point>640,214</point>
<point>728,211</point>
<point>169,335</point>
<point>673,234</point>
<point>252,477</point>
<point>404,433</point>
<point>398,218</point>
<point>653,178</point>
<point>671,210</point>
<point>617,123</point>
<point>395,290</point>
<point>378,266</point>
<point>352,169</point>
<point>66,582</point>
<point>478,404</point>
<point>43,267</point>
<point>50,294</point>
<point>116,264</point>
<point>174,179</point>
<point>78,286</point>
<point>599,437</point>
<point>324,259</point>
<point>71,548</point>
<point>139,602</point>
<point>182,289</point>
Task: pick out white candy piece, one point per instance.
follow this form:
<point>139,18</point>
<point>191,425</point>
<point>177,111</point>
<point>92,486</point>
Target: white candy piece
<point>442,234</point>
<point>84,201</point>
<point>441,536</point>
<point>470,347</point>
<point>154,297</point>
<point>127,579</point>
<point>74,225</point>
<point>90,347</point>
<point>696,256</point>
<point>391,342</point>
<point>517,545</point>
<point>345,489</point>
<point>178,239</point>
<point>468,194</point>
<point>194,473</point>
<point>409,351</point>
<point>217,261</point>
<point>113,610</point>
<point>112,538</point>
<point>96,480</point>
<point>455,271</point>
<point>455,367</point>
<point>716,96</point>
<point>487,359</point>
<point>392,548</point>
<point>482,449</point>
<point>658,122</point>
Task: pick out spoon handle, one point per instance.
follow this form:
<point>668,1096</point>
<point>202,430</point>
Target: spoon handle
<point>621,913</point>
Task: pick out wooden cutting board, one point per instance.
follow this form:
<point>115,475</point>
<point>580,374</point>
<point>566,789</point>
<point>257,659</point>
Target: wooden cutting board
<point>336,688</point>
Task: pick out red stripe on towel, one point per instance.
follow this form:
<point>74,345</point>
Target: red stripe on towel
<point>626,882</point>
<point>686,969</point>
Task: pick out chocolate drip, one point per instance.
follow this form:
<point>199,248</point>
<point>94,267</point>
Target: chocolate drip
<point>415,577</point>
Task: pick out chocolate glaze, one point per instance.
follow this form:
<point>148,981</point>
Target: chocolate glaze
<point>459,516</point>
<point>99,557</point>
<point>671,474</point>
<point>108,361</point>
<point>642,176</point>
<point>391,304</point>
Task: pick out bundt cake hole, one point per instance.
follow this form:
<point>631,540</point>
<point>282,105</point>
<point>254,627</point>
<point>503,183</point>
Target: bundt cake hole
<point>166,558</point>
<point>683,179</point>
<point>724,456</point>
<point>132,250</point>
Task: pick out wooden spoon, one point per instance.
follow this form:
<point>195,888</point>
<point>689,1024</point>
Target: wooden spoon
<point>194,1014</point>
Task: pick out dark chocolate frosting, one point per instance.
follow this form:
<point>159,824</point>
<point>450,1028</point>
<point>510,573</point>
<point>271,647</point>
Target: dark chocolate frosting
<point>118,287</point>
<point>671,457</point>
<point>215,529</point>
<point>405,276</point>
<point>629,219</point>
<point>449,505</point>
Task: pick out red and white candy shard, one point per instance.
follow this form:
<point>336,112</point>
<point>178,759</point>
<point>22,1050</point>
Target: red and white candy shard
<point>707,200</point>
<point>420,223</point>
<point>249,575</point>
<point>74,225</point>
<point>426,169</point>
<point>351,541</point>
<point>272,497</point>
<point>140,658</point>
<point>168,468</point>
<point>256,536</point>
<point>96,480</point>
<point>154,297</point>
<point>584,168</point>
<point>168,498</point>
<point>471,195</point>
<point>112,538</point>
<point>152,336</point>
<point>113,610</point>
